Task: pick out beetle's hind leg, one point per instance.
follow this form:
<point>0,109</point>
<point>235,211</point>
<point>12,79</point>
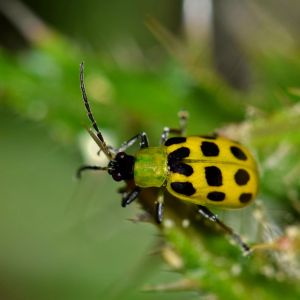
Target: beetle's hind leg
<point>205,212</point>
<point>181,131</point>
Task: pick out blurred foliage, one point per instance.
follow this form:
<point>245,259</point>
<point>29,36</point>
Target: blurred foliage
<point>63,239</point>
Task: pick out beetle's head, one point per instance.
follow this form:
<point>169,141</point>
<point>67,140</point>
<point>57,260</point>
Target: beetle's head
<point>121,167</point>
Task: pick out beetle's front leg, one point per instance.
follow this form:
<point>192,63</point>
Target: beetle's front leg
<point>143,142</point>
<point>127,198</point>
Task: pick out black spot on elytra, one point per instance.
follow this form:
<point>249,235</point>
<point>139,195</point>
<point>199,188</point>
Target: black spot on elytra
<point>241,177</point>
<point>181,168</point>
<point>213,176</point>
<point>245,197</point>
<point>216,196</point>
<point>238,153</point>
<point>184,188</point>
<point>209,149</point>
<point>178,155</point>
<point>175,140</point>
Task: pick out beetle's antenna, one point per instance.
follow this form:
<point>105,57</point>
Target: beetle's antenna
<point>98,138</point>
<point>85,168</point>
<point>98,142</point>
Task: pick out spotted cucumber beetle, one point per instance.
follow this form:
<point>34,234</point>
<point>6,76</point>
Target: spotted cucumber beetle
<point>203,170</point>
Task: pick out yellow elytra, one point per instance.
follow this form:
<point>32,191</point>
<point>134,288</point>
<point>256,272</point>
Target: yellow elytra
<point>222,173</point>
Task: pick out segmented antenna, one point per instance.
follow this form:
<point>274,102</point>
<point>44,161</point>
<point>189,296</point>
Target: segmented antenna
<point>100,138</point>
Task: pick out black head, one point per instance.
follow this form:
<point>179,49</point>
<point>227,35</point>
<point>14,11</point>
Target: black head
<point>121,167</point>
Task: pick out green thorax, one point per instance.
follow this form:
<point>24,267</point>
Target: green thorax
<point>150,168</point>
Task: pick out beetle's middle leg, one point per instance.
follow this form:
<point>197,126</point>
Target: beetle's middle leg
<point>181,131</point>
<point>159,207</point>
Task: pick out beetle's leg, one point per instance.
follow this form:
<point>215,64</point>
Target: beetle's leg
<point>159,207</point>
<point>205,212</point>
<point>130,197</point>
<point>183,120</point>
<point>167,131</point>
<point>181,131</point>
<point>143,142</point>
<point>85,168</point>
<point>213,135</point>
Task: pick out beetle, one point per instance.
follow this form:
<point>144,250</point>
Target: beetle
<point>206,170</point>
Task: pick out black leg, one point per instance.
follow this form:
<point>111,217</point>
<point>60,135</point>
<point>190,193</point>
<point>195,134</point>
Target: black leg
<point>85,168</point>
<point>143,142</point>
<point>159,207</point>
<point>183,117</point>
<point>167,131</point>
<point>159,212</point>
<point>183,120</point>
<point>130,197</point>
<point>205,212</point>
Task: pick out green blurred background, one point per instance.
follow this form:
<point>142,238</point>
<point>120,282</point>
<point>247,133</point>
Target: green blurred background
<point>226,62</point>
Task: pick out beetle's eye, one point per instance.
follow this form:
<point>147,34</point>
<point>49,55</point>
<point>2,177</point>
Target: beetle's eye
<point>121,155</point>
